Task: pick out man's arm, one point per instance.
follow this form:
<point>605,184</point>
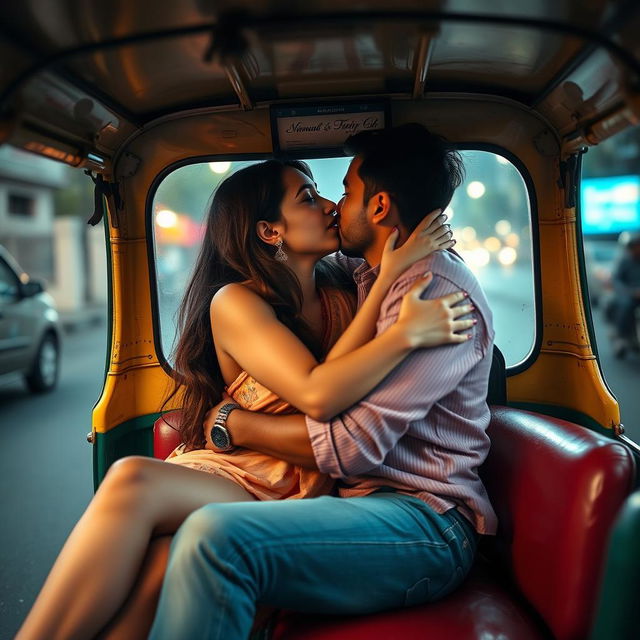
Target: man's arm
<point>281,436</point>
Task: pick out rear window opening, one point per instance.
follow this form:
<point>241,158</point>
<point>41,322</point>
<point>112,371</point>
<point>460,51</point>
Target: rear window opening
<point>490,215</point>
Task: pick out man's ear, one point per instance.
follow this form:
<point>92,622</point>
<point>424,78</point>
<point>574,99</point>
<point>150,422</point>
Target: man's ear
<point>382,210</point>
<point>267,232</point>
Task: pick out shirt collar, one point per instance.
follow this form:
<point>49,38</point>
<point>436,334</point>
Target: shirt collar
<point>365,274</point>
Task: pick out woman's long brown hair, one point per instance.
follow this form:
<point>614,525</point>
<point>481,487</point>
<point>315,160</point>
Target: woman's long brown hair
<point>231,251</point>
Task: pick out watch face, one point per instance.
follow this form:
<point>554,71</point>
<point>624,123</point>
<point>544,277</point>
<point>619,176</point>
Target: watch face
<point>220,438</point>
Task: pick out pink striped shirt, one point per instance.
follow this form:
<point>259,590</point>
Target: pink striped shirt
<point>423,429</point>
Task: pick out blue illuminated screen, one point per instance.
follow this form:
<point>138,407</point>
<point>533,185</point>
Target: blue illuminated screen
<point>610,205</point>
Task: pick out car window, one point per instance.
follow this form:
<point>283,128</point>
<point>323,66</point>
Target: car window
<point>489,214</point>
<point>8,283</point>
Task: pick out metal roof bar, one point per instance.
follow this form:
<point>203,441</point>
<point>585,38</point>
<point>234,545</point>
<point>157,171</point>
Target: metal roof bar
<point>423,59</point>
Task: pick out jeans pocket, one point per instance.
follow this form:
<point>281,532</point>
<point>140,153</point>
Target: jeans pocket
<point>418,593</point>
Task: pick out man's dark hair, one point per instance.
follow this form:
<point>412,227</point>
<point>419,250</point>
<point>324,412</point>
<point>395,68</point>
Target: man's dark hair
<point>419,169</point>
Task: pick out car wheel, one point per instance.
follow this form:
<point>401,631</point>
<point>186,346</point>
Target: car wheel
<point>44,374</point>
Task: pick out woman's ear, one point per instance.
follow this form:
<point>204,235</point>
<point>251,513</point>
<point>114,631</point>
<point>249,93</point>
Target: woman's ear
<point>267,232</point>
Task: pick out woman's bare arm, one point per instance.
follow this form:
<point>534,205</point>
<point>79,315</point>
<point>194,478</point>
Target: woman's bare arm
<point>247,329</point>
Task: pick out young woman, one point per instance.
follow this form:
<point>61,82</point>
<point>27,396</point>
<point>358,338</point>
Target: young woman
<point>262,258</point>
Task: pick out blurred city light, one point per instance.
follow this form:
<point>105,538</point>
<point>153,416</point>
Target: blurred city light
<point>507,256</point>
<point>450,212</point>
<point>476,258</point>
<point>492,244</point>
<point>468,234</point>
<point>166,218</point>
<point>219,167</point>
<point>503,227</point>
<point>512,240</point>
<point>475,189</point>
<point>624,193</point>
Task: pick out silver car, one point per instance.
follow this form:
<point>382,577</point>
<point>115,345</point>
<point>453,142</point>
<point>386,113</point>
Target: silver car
<point>30,334</point>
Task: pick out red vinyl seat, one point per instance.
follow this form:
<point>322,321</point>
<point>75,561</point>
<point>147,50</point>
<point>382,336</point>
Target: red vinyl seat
<point>166,435</point>
<point>556,488</point>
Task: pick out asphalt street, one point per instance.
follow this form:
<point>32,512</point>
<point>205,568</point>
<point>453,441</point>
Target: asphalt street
<point>46,468</point>
<point>46,463</point>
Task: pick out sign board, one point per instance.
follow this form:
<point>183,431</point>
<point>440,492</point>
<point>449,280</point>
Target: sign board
<point>298,128</point>
<point>610,205</point>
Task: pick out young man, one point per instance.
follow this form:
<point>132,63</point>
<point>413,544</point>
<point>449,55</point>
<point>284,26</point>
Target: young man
<point>404,527</point>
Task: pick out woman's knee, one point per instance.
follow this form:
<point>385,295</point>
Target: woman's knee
<point>129,478</point>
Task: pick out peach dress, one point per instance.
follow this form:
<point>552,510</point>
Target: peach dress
<point>266,477</point>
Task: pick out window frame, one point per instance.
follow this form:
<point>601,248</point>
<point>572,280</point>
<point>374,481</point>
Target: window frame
<point>27,197</point>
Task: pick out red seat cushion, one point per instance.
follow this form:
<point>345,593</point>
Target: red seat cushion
<point>166,434</point>
<point>556,488</point>
<point>481,608</point>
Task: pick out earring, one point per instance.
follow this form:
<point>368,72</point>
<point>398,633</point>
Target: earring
<point>281,256</point>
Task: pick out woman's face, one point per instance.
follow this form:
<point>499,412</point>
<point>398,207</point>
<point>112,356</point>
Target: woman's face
<point>308,226</point>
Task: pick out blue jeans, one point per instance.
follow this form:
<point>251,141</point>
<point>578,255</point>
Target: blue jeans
<point>321,555</point>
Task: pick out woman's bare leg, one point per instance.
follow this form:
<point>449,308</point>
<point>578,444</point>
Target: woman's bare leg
<point>135,618</point>
<point>98,565</point>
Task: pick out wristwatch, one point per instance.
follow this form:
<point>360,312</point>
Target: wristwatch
<point>220,435</point>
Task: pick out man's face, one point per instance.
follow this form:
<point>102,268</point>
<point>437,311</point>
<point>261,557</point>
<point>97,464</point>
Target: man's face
<point>356,231</point>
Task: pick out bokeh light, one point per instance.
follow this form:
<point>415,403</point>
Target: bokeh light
<point>507,256</point>
<point>468,234</point>
<point>503,227</point>
<point>166,218</point>
<point>476,258</point>
<point>219,167</point>
<point>512,240</point>
<point>475,189</point>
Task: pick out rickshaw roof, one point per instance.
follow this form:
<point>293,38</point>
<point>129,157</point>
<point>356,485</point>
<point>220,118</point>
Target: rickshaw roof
<point>75,70</point>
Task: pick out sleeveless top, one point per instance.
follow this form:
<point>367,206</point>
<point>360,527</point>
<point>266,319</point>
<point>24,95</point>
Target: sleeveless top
<point>263,476</point>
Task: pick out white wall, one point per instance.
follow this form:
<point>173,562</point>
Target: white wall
<point>68,286</point>
<point>97,267</point>
<point>38,224</point>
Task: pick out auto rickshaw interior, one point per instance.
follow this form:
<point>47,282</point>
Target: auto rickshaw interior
<point>150,102</point>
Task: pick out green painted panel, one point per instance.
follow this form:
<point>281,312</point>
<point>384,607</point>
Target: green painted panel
<point>133,437</point>
<point>618,614</point>
<point>562,413</point>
